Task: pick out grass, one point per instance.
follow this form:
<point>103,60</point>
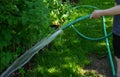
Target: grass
<point>68,54</point>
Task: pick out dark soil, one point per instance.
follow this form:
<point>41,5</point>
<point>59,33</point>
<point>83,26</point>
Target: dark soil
<point>100,66</point>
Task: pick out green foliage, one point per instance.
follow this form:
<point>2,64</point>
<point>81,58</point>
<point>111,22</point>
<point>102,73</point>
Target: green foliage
<point>58,11</point>
<point>22,24</point>
<point>22,72</point>
<point>5,59</point>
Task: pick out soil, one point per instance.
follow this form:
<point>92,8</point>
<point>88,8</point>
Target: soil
<point>100,66</point>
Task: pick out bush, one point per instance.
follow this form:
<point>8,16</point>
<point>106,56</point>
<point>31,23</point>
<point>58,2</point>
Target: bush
<point>22,23</point>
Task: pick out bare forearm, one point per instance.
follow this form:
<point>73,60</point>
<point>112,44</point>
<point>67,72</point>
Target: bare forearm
<point>112,11</point>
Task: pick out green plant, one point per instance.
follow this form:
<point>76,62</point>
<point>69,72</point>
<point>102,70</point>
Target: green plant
<point>58,11</point>
<point>68,54</point>
<point>22,72</point>
<point>22,24</point>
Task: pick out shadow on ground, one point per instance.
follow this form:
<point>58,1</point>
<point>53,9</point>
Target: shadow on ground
<point>100,66</point>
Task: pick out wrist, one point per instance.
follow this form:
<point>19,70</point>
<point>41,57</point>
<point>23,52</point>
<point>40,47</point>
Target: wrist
<point>103,12</point>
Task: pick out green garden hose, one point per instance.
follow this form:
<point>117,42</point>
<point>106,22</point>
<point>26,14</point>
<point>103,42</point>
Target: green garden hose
<point>89,38</point>
<point>108,48</point>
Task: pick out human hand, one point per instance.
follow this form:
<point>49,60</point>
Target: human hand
<point>96,14</point>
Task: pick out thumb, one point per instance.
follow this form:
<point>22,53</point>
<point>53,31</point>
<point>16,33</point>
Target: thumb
<point>91,16</point>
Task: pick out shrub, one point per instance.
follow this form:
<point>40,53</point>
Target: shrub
<point>22,23</point>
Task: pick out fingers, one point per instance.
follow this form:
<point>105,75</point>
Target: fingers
<point>91,16</point>
<point>96,14</point>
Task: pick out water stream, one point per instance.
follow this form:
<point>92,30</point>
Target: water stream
<point>23,59</point>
